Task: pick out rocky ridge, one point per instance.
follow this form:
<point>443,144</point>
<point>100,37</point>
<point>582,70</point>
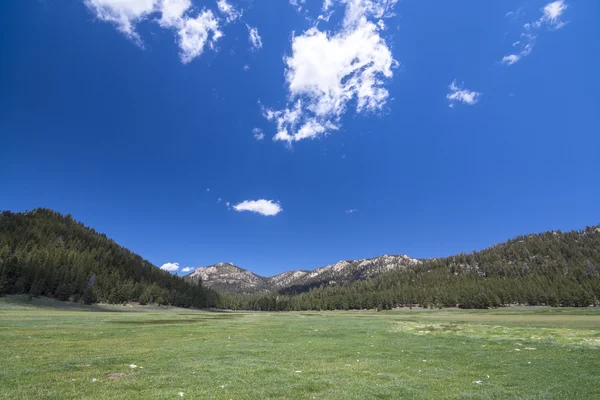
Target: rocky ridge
<point>227,277</point>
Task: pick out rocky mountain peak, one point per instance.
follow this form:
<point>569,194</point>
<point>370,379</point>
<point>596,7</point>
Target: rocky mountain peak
<point>227,277</point>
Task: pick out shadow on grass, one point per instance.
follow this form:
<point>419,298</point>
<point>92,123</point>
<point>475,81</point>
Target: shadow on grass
<point>25,302</point>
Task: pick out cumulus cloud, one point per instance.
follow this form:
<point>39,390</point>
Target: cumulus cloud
<point>171,267</point>
<point>327,70</point>
<point>193,33</point>
<point>458,95</point>
<point>258,134</point>
<point>172,11</point>
<point>187,269</point>
<point>551,17</point>
<point>230,12</point>
<point>125,14</point>
<point>254,38</point>
<point>262,206</point>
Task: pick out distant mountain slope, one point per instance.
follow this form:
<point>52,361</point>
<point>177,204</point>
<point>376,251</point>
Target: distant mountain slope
<point>45,253</point>
<point>226,277</point>
<point>551,268</point>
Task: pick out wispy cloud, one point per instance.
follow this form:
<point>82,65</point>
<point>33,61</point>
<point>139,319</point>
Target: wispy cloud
<point>171,267</point>
<point>526,49</point>
<point>552,12</point>
<point>458,95</point>
<point>258,134</point>
<point>518,13</point>
<point>254,38</point>
<point>231,13</point>
<point>551,17</point>
<point>125,14</point>
<point>262,206</point>
<point>325,71</point>
<point>297,4</point>
<point>351,211</point>
<point>193,33</point>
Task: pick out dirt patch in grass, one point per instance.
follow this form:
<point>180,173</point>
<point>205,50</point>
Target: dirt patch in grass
<point>116,375</point>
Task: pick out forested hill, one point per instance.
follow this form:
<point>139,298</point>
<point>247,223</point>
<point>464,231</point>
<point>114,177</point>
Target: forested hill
<point>45,253</point>
<point>552,268</point>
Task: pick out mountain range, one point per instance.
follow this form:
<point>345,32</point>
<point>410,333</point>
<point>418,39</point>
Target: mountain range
<point>44,253</point>
<point>229,278</point>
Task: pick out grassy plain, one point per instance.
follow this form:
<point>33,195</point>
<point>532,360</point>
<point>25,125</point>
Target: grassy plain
<point>60,352</point>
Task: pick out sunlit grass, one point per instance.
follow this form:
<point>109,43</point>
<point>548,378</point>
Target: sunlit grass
<point>522,354</point>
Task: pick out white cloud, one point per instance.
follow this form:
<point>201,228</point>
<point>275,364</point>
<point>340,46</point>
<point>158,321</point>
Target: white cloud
<point>171,267</point>
<point>526,49</point>
<point>254,38</point>
<point>193,33</point>
<point>297,4</point>
<point>125,14</point>
<point>357,10</point>
<point>511,59</point>
<point>327,70</point>
<point>187,269</point>
<point>231,13</point>
<point>262,206</point>
<point>219,200</point>
<point>172,12</point>
<point>466,96</point>
<point>258,134</point>
<point>551,14</point>
<point>351,211</point>
<point>518,13</point>
<point>246,67</point>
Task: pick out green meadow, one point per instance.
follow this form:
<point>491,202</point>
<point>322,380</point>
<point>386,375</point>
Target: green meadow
<point>53,350</point>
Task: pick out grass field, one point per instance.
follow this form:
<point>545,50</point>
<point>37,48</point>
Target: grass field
<point>50,352</point>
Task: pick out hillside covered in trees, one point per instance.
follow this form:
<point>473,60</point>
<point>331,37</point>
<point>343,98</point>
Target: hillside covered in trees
<point>552,268</point>
<point>45,253</point>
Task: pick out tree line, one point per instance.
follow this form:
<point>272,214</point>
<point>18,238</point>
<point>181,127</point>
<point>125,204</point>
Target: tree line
<point>43,253</point>
<point>552,268</point>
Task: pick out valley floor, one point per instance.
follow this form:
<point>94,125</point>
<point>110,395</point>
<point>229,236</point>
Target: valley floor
<point>92,353</point>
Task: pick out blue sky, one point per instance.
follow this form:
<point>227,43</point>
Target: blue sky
<point>424,128</point>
